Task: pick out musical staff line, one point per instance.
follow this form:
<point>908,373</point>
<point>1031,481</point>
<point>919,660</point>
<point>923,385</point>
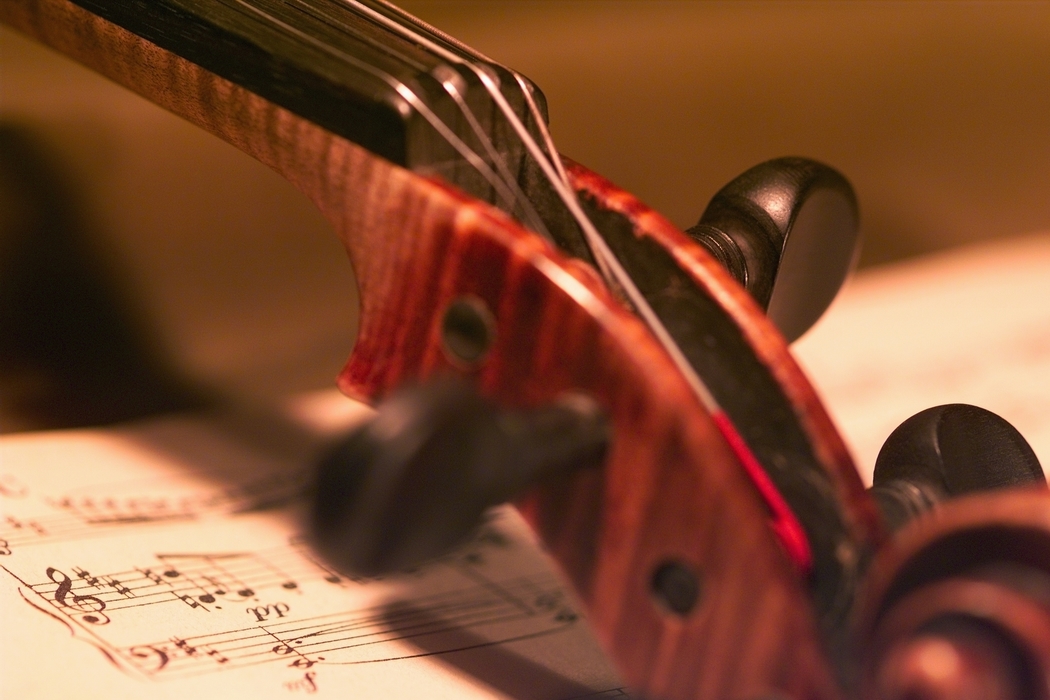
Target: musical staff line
<point>83,517</point>
<point>364,636</point>
<point>199,580</point>
<point>202,581</point>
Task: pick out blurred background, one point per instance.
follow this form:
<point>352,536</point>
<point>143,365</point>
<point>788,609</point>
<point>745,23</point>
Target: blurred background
<point>224,277</point>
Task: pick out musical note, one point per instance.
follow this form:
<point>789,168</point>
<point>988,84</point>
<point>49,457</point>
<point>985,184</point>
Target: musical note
<point>354,637</point>
<point>152,576</point>
<point>464,595</point>
<point>118,586</point>
<point>184,647</point>
<point>87,577</point>
<point>14,524</point>
<point>90,607</point>
<point>215,656</point>
<point>307,683</point>
<point>85,516</point>
<point>11,487</point>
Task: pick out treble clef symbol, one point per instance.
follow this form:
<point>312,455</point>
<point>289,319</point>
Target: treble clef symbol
<point>89,606</point>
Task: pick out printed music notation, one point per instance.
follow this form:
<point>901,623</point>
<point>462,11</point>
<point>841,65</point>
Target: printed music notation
<point>269,590</point>
<point>81,517</point>
<point>165,579</point>
<point>47,505</point>
<point>363,636</point>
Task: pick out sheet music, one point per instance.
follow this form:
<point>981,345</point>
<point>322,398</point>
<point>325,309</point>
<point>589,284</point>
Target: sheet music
<point>128,569</point>
<point>966,326</point>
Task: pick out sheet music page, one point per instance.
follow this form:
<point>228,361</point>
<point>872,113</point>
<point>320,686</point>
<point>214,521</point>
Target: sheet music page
<point>136,562</point>
<point>965,326</point>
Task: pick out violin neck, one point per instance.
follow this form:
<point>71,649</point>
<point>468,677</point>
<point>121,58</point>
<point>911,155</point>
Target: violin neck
<point>360,69</point>
<point>319,59</point>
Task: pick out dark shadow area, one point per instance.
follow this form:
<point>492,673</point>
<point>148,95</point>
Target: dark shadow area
<point>74,351</point>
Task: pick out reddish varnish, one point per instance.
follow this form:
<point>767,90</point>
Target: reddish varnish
<point>782,520</point>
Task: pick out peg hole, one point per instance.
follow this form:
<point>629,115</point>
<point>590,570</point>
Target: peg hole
<point>467,330</point>
<point>676,588</point>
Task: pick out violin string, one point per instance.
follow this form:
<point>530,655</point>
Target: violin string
<point>512,196</point>
<point>474,64</point>
<point>431,29</point>
<point>783,522</point>
<point>451,83</point>
<point>498,184</point>
<point>558,180</point>
<point>472,52</point>
<point>550,164</point>
<point>610,265</point>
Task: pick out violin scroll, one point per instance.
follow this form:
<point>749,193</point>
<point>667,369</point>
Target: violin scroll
<point>957,605</point>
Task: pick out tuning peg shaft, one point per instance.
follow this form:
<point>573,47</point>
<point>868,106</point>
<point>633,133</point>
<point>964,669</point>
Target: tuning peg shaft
<point>788,231</point>
<point>415,481</point>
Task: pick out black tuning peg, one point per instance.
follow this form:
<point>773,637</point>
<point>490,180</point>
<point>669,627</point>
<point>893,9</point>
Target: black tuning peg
<point>415,481</point>
<point>787,230</point>
<point>949,451</point>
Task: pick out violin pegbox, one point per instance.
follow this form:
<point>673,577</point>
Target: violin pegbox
<point>473,295</point>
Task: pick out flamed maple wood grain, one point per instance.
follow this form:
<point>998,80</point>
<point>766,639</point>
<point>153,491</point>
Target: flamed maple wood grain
<point>670,489</point>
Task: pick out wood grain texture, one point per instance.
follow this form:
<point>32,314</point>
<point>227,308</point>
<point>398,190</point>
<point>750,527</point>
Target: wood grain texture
<point>670,490</point>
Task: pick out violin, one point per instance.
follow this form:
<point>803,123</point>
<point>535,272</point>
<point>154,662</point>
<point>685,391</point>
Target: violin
<point>533,333</point>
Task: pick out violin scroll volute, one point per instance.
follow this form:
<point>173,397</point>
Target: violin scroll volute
<point>958,603</point>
